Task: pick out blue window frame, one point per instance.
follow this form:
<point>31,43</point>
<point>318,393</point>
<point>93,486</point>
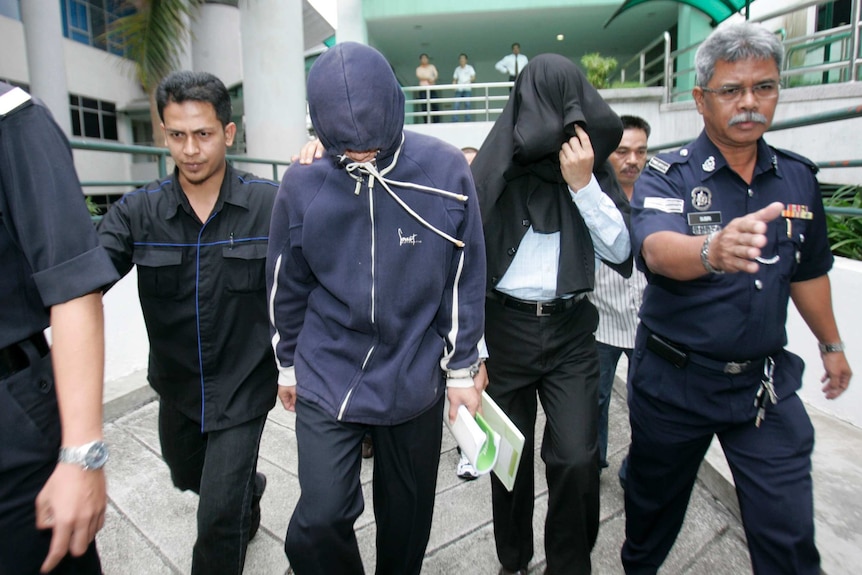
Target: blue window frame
<point>87,21</point>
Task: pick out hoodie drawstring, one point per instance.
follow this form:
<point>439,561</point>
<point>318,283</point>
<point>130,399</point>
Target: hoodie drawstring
<point>356,169</point>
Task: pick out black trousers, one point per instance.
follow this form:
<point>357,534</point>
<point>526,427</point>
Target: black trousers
<point>320,538</point>
<point>675,413</point>
<point>554,358</point>
<point>29,443</point>
<point>219,466</point>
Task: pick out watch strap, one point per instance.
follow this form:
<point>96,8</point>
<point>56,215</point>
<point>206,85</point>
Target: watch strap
<point>831,347</point>
<point>704,255</point>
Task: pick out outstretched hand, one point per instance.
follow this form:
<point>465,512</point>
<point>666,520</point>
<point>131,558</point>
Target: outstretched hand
<point>736,246</point>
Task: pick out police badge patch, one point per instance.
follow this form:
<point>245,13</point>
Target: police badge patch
<point>701,198</point>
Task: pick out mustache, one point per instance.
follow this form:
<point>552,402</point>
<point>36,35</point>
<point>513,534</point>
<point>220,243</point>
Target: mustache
<point>747,117</point>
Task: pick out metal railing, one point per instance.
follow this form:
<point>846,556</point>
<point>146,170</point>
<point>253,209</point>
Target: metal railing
<point>427,104</point>
<point>845,39</point>
<point>161,154</point>
<point>809,120</point>
<point>644,66</point>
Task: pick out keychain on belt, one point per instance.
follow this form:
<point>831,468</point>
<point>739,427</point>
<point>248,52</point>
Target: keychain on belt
<point>765,392</point>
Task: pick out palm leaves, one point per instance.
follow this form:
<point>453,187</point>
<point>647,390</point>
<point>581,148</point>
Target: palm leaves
<point>153,37</point>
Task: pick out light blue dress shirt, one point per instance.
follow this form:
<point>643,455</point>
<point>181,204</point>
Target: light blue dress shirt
<point>532,275</point>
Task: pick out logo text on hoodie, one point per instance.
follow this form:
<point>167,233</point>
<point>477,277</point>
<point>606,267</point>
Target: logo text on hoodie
<point>409,240</point>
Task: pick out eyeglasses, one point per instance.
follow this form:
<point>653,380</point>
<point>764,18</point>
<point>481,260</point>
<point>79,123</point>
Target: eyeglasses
<point>762,91</point>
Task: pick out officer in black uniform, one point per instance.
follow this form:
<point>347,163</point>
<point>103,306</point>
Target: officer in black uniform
<point>51,272</point>
<point>727,229</point>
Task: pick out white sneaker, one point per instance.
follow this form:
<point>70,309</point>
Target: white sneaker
<point>465,469</point>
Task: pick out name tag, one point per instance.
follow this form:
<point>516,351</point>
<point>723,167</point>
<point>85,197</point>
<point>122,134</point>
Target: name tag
<point>703,218</point>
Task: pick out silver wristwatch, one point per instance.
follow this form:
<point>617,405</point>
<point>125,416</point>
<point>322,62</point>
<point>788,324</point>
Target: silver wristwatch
<point>831,347</point>
<point>704,255</point>
<point>91,455</point>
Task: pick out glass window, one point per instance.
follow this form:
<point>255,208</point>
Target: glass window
<point>93,118</point>
<point>88,21</point>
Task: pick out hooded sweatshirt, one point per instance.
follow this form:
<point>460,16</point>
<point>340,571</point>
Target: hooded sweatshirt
<point>375,271</point>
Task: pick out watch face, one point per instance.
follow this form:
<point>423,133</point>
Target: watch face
<point>96,456</point>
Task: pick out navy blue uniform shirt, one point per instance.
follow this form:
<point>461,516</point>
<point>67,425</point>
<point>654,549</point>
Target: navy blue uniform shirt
<point>202,290</point>
<point>49,250</point>
<point>692,191</point>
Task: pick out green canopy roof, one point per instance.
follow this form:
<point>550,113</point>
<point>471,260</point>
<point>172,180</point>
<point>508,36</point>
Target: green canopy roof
<point>718,10</point>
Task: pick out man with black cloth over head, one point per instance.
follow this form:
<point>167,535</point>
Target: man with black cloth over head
<point>550,204</point>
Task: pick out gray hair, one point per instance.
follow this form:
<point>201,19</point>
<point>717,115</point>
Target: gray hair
<point>741,41</point>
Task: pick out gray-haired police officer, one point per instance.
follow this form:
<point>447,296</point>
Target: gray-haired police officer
<point>727,229</point>
<point>51,272</point>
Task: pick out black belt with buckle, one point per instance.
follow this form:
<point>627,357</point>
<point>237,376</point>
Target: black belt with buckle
<point>14,358</point>
<point>679,357</point>
<point>537,308</point>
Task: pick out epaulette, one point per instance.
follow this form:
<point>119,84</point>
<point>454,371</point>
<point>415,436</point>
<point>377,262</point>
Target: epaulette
<point>663,162</point>
<point>12,100</point>
<point>797,157</point>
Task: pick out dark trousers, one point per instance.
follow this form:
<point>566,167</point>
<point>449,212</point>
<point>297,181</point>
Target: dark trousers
<point>674,414</point>
<point>423,107</point>
<point>320,538</point>
<point>609,356</point>
<point>555,358</point>
<point>220,467</point>
<point>29,444</point>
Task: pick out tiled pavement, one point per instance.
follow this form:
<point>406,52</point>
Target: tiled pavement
<point>150,527</point>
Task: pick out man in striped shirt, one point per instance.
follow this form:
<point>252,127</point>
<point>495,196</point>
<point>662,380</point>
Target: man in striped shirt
<point>618,299</point>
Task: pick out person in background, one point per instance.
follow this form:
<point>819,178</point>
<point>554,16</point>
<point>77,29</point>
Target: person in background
<point>464,75</point>
<point>376,278</point>
<point>550,205</point>
<point>427,75</point>
<point>618,298</point>
<point>512,64</point>
<point>52,271</point>
<point>727,230</point>
<point>198,239</point>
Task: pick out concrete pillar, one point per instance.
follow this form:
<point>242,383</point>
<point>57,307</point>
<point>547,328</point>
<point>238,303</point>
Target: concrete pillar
<point>184,50</point>
<point>351,22</point>
<point>694,27</point>
<point>273,79</point>
<point>216,44</point>
<point>43,38</point>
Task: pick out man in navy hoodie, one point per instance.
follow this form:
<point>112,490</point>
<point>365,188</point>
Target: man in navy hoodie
<point>376,279</point>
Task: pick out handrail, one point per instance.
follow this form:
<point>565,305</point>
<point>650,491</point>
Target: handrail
<point>424,98</point>
<point>850,59</point>
<point>641,58</point>
<point>854,41</point>
<point>161,154</point>
<point>809,120</point>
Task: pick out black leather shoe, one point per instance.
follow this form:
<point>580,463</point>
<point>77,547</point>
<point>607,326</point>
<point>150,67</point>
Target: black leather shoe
<point>259,488</point>
<point>504,571</point>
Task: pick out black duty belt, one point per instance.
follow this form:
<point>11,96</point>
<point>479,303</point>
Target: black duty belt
<point>14,358</point>
<point>680,357</point>
<point>537,308</point>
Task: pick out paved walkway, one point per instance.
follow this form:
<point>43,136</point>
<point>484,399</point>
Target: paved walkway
<point>150,527</point>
